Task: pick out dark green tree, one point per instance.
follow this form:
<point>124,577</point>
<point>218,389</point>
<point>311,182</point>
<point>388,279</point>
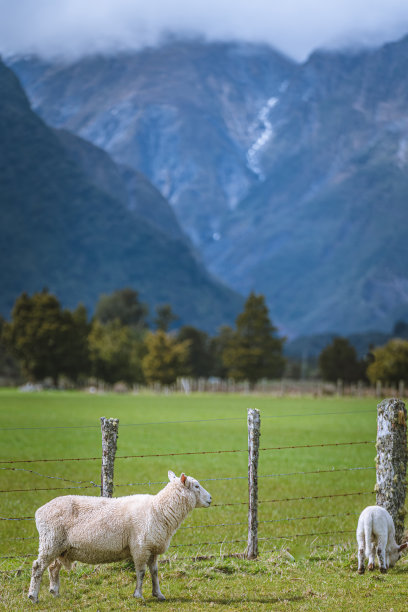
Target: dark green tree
<point>77,361</point>
<point>164,317</point>
<point>165,358</point>
<point>41,336</point>
<point>339,361</point>
<point>218,346</point>
<point>9,367</point>
<point>254,351</point>
<point>390,362</point>
<point>123,305</point>
<point>115,352</point>
<point>199,357</point>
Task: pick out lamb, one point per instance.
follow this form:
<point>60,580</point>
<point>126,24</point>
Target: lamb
<point>376,534</point>
<point>103,530</point>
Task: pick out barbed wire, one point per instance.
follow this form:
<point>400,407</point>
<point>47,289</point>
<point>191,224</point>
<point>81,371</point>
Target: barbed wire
<point>90,486</point>
<point>291,518</point>
<point>214,452</point>
<point>270,416</point>
<point>240,503</point>
<point>48,476</point>
<point>286,499</point>
<point>279,537</point>
<point>331,470</point>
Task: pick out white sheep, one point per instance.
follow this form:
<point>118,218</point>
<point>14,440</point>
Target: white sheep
<point>376,535</point>
<point>102,530</point>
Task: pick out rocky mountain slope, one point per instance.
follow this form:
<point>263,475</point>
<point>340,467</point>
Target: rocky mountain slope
<point>61,227</point>
<point>291,179</point>
<point>187,114</point>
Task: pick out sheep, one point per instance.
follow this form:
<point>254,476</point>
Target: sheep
<point>103,530</point>
<point>376,534</point>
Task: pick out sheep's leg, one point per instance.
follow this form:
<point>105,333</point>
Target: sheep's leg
<point>372,549</point>
<point>361,559</point>
<point>140,567</point>
<point>155,578</point>
<point>382,557</point>
<point>53,571</point>
<point>39,566</point>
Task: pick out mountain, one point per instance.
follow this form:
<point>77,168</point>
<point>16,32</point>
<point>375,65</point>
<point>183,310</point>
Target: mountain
<point>186,114</point>
<point>64,228</point>
<point>328,222</point>
<point>291,179</point>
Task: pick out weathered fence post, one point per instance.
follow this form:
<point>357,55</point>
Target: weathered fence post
<point>109,429</point>
<point>391,460</point>
<point>254,431</point>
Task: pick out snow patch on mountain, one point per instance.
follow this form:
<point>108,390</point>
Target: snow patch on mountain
<point>264,124</point>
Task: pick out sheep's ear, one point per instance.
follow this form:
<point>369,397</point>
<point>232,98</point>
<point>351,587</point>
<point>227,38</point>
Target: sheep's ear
<point>183,478</point>
<point>405,545</point>
<point>171,475</point>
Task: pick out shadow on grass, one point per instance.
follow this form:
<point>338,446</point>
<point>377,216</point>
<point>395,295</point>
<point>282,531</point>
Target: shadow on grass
<point>237,600</point>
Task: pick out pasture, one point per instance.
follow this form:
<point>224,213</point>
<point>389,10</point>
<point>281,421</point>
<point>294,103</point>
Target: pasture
<point>310,497</point>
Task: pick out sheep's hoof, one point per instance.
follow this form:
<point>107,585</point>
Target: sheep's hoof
<point>138,595</point>
<point>361,570</point>
<point>54,592</point>
<point>33,598</point>
<point>160,596</point>
<point>383,570</point>
<point>371,567</point>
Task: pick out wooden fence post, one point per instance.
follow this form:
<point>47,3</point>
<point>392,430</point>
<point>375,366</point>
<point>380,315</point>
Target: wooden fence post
<point>254,431</point>
<point>391,460</point>
<point>109,429</point>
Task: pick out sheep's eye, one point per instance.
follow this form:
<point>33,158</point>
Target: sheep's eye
<point>197,486</point>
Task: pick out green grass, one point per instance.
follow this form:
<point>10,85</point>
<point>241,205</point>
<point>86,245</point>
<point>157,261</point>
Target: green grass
<point>149,425</point>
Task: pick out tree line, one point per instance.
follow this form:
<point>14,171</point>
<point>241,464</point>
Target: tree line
<point>120,343</point>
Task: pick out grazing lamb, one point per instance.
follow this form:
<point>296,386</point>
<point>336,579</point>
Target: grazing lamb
<point>102,530</point>
<point>376,534</point>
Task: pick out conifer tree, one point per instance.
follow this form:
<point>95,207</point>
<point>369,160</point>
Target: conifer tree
<point>254,351</point>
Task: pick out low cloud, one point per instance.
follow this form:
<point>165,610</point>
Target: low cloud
<point>296,27</point>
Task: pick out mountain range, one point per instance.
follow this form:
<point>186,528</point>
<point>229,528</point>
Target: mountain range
<point>75,222</point>
<point>289,179</point>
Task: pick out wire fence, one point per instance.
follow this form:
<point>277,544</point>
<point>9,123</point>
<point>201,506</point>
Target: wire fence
<point>227,527</point>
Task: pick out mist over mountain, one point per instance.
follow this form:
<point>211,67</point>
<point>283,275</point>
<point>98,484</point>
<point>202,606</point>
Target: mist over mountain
<point>291,179</point>
<point>70,222</point>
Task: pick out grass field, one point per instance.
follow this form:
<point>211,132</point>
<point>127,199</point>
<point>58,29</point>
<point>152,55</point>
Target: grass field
<point>66,425</point>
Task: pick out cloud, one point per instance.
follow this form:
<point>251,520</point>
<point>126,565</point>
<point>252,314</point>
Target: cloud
<point>296,27</point>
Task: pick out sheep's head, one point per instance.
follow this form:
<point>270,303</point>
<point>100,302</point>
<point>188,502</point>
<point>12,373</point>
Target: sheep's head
<point>395,554</point>
<point>203,497</point>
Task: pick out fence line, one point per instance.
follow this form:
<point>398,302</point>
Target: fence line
<point>241,503</point>
<point>141,424</point>
<point>91,484</point>
<point>161,482</point>
<point>215,452</point>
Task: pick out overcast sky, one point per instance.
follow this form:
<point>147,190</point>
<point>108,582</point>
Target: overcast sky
<point>296,27</point>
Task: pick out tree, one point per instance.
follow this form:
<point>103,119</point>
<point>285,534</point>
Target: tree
<point>339,361</point>
<point>165,359</point>
<point>199,358</point>
<point>123,305</point>
<point>254,351</point>
<point>115,352</point>
<point>9,367</point>
<point>218,346</point>
<point>390,362</point>
<point>40,335</point>
<point>77,346</point>
<point>164,317</point>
